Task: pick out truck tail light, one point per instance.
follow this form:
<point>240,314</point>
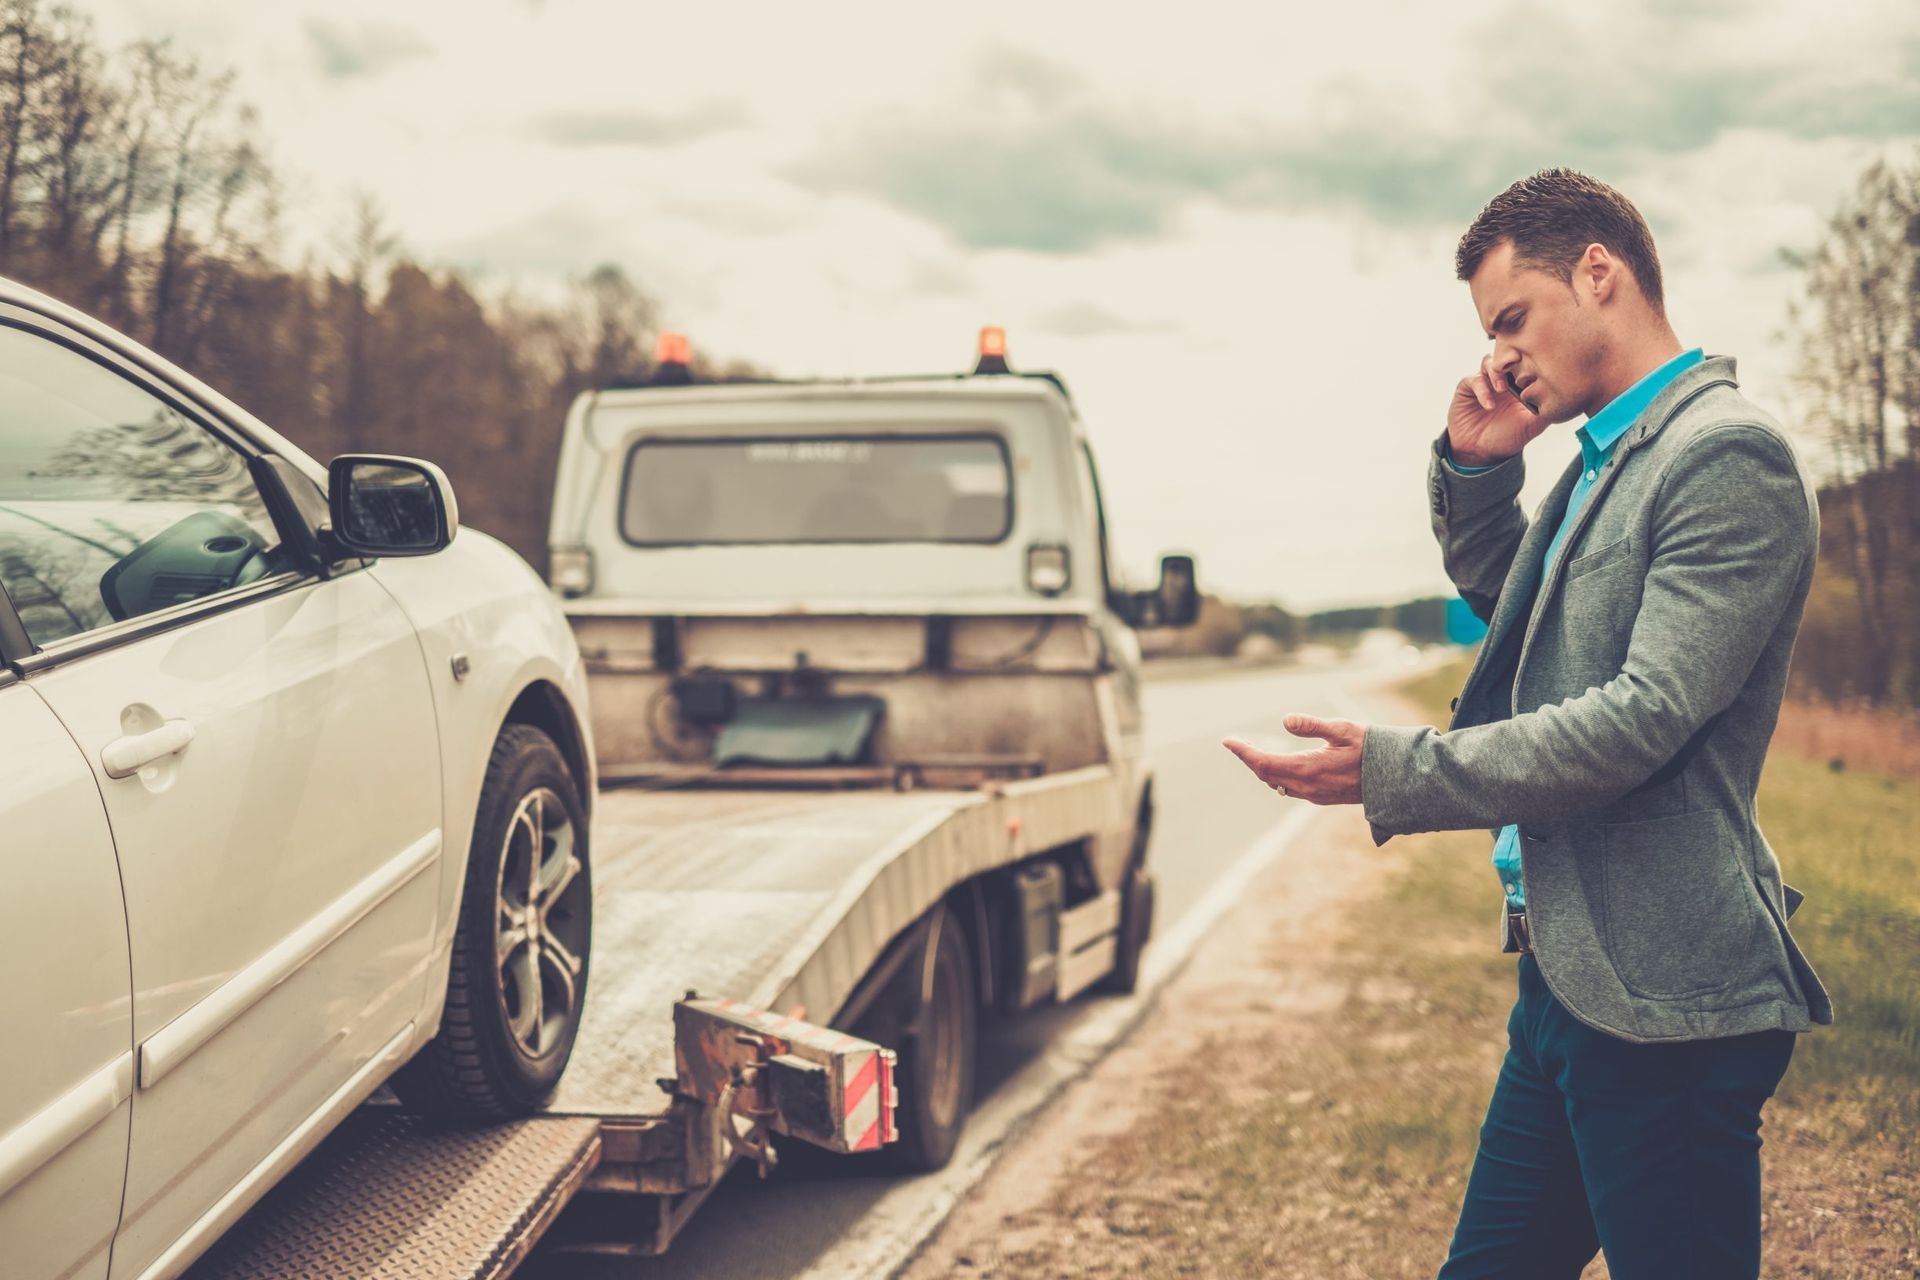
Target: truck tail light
<point>570,570</point>
<point>1049,569</point>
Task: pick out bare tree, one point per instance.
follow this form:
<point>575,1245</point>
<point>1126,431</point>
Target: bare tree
<point>1860,375</point>
<point>133,184</point>
<point>23,45</point>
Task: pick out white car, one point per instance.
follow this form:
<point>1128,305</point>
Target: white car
<point>295,803</point>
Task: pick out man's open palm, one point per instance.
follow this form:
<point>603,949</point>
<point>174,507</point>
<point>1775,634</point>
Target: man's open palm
<point>1324,775</point>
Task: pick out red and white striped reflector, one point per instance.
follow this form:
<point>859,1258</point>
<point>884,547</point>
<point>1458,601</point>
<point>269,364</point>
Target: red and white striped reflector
<point>859,1074</point>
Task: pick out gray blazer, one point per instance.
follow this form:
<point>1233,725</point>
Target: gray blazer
<point>1620,710</point>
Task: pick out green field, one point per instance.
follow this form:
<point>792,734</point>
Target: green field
<point>1347,1076</point>
<point>1851,842</point>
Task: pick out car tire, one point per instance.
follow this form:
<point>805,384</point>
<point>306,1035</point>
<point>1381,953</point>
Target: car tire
<point>936,1066</point>
<point>521,946</point>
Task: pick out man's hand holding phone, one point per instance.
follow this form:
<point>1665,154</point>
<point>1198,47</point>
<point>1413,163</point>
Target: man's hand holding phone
<point>1487,423</point>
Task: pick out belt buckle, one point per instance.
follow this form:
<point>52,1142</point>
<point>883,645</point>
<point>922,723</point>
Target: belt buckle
<point>1518,931</point>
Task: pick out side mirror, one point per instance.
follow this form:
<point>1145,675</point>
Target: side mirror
<point>1179,592</point>
<point>387,506</point>
<point>1174,603</point>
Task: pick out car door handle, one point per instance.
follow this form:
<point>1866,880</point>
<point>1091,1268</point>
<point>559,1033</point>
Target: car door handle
<point>124,757</point>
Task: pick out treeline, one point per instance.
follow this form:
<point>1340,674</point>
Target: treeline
<point>133,186</point>
<point>1225,629</point>
<point>1860,378</point>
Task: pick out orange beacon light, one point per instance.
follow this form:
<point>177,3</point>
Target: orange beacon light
<point>993,351</point>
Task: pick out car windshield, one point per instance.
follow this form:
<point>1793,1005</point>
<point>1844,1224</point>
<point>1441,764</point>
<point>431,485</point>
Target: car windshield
<point>846,488</point>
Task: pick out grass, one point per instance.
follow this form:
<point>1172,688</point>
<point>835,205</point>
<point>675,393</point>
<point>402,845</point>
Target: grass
<point>1332,1137</point>
<point>1843,1192</point>
<point>1851,842</point>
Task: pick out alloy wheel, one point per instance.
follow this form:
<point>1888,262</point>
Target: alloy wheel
<point>540,923</point>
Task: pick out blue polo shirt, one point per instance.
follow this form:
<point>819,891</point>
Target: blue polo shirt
<point>1598,436</point>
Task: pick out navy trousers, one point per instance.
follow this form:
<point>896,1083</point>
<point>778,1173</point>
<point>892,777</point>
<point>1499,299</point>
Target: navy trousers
<point>1650,1152</point>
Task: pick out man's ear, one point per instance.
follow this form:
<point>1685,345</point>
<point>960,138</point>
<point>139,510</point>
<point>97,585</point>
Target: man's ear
<point>1597,274</point>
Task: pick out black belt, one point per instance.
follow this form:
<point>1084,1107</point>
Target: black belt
<point>1517,930</point>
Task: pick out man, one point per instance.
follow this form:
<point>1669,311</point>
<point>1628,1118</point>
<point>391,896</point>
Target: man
<point>1612,731</point>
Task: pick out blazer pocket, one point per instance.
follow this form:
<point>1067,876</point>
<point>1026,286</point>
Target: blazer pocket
<point>1599,559</point>
<point>1679,920</point>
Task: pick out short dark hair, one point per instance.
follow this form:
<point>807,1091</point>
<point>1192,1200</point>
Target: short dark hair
<point>1551,218</point>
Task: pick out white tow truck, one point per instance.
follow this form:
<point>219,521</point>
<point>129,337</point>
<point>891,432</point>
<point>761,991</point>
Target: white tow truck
<point>865,703</point>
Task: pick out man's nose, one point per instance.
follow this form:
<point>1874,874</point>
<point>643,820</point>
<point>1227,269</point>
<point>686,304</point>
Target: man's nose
<point>1506,359</point>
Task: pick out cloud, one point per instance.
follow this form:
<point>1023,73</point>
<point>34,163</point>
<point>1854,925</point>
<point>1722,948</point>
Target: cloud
<point>1037,160</point>
<point>1085,177</point>
<point>1051,191</point>
<point>1669,82</point>
<point>557,243</point>
<point>624,128</point>
<point>344,52</point>
<point>1093,320</point>
<point>1027,77</point>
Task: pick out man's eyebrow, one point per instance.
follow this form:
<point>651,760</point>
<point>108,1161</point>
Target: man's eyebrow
<point>1506,314</point>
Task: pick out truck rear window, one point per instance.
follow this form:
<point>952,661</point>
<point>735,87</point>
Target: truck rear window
<point>949,488</point>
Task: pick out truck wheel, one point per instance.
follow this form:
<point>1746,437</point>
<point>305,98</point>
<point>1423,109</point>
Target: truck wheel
<point>935,1075</point>
<point>520,949</point>
<point>1136,926</point>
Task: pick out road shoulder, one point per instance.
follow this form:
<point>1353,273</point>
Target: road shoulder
<point>1221,1138</point>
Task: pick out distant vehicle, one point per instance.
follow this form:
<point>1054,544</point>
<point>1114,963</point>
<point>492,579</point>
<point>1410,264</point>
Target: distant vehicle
<point>296,799</point>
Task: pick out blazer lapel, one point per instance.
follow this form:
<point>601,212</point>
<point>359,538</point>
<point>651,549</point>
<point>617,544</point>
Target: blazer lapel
<point>1521,590</point>
<point>1712,372</point>
<point>1525,591</point>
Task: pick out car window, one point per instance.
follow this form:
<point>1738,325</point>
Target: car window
<point>113,504</point>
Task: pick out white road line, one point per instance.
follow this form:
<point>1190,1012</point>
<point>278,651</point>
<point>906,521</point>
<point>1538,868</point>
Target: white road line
<point>892,1231</point>
<point>1169,953</point>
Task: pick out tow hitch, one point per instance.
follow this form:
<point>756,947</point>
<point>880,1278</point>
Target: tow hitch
<point>740,1075</point>
<point>772,1073</point>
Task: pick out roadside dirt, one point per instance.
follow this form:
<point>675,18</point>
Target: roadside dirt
<point>1083,1192</point>
<point>1304,1101</point>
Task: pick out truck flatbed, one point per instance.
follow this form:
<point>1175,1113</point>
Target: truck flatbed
<point>777,899</point>
<point>781,900</point>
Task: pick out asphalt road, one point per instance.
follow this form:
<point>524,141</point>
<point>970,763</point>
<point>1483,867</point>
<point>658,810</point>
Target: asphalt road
<point>1210,813</point>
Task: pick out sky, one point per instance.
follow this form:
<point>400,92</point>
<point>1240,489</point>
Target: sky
<point>1230,226</point>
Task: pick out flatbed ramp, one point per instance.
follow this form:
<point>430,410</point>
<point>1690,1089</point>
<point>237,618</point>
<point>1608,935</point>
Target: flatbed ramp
<point>777,899</point>
<point>389,1197</point>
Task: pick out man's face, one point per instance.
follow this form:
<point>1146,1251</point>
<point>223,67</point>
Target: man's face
<point>1547,343</point>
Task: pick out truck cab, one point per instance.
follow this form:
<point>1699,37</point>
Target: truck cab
<point>923,561</point>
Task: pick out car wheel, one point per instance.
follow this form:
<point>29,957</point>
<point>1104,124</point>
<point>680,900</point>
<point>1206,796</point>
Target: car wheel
<point>935,1077</point>
<point>520,950</point>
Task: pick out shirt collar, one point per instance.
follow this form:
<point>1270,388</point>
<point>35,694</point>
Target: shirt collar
<point>1603,430</point>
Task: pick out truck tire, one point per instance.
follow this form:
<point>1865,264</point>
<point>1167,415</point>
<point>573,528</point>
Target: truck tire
<point>1136,926</point>
<point>935,1076</point>
<point>520,948</point>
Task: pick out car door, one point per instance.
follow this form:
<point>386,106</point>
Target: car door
<point>264,742</point>
<point>67,1075</point>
